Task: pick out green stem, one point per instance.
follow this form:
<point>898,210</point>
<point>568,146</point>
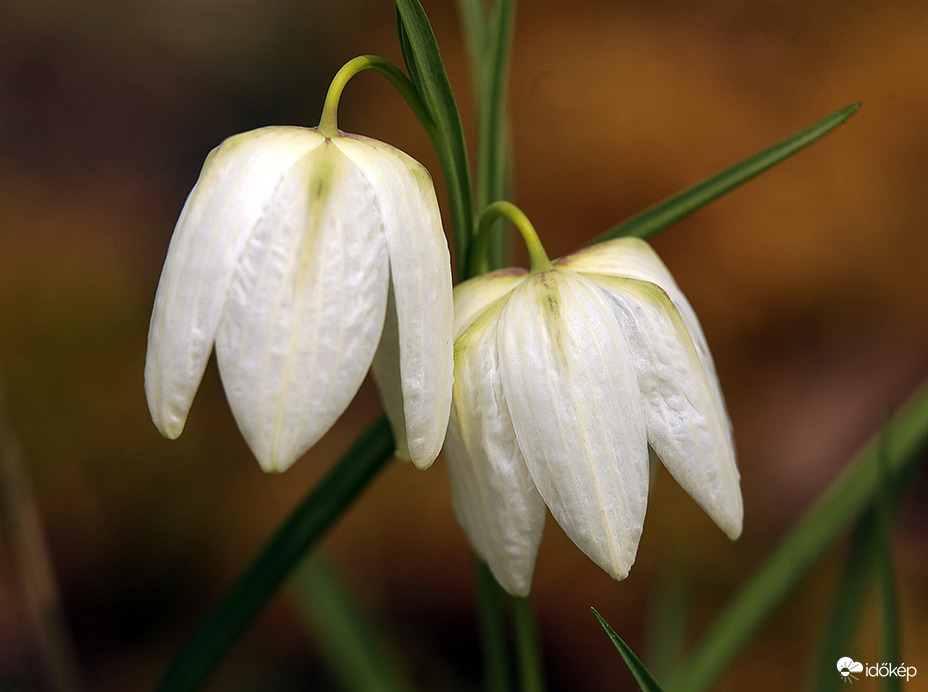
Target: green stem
<point>538,258</point>
<point>314,515</point>
<point>851,494</point>
<point>527,646</point>
<point>328,123</point>
<point>490,597</point>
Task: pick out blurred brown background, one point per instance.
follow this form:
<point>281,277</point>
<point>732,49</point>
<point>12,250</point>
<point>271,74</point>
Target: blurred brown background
<point>811,283</point>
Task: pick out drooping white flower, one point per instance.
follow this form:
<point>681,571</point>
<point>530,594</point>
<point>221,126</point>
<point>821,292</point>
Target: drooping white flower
<point>299,256</point>
<point>563,377</point>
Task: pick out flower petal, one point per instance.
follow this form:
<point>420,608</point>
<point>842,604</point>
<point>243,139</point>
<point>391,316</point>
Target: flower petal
<point>306,308</point>
<point>228,201</point>
<point>576,411</point>
<point>633,258</point>
<point>476,295</point>
<point>686,427</point>
<point>492,492</point>
<point>420,272</point>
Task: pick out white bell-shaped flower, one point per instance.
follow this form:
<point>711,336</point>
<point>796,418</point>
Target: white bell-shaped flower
<point>298,255</point>
<point>563,377</point>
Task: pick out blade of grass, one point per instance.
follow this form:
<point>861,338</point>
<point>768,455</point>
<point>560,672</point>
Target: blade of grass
<point>847,498</point>
<point>358,655</point>
<point>642,675</point>
<point>884,563</point>
<point>313,516</point>
<point>846,605</point>
<point>426,69</point>
<point>493,154</point>
<point>22,529</point>
<point>667,615</point>
<point>655,219</point>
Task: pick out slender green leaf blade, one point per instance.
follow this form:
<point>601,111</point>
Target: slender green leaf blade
<point>423,59</point>
<point>350,638</point>
<point>493,153</point>
<point>655,219</point>
<point>884,563</point>
<point>642,675</point>
<point>293,540</point>
<point>406,52</point>
<point>850,495</point>
<point>846,606</point>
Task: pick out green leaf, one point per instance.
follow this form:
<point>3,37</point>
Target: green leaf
<point>846,605</point>
<point>884,562</point>
<point>642,675</point>
<point>653,220</point>
<point>493,152</point>
<point>854,491</point>
<point>426,69</point>
<point>358,654</point>
<point>293,540</point>
<point>667,620</point>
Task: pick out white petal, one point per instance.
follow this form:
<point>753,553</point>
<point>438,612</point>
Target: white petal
<point>686,428</point>
<point>475,295</point>
<point>420,272</point>
<point>493,494</point>
<point>224,207</point>
<point>576,411</point>
<point>306,308</point>
<point>633,258</point>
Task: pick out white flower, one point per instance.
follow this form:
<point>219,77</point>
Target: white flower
<point>294,253</point>
<point>562,379</point>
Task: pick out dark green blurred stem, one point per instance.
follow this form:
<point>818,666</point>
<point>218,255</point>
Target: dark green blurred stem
<point>528,648</point>
<point>655,219</point>
<point>493,153</point>
<point>855,491</point>
<point>884,561</point>
<point>22,531</point>
<point>308,522</point>
<point>490,599</point>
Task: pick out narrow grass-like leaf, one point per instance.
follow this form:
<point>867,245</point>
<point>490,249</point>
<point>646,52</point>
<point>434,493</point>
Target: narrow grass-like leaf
<point>493,143</point>
<point>474,26</point>
<point>358,655</point>
<point>293,540</point>
<point>655,219</point>
<point>646,681</point>
<point>849,496</point>
<point>884,563</point>
<point>490,597</point>
<point>844,611</point>
<point>667,616</point>
<point>426,69</point>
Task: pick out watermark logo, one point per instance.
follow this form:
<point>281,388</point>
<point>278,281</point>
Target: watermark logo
<point>851,670</point>
<point>847,667</point>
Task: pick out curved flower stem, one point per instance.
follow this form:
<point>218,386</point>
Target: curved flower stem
<point>328,123</point>
<point>538,258</point>
<point>206,646</point>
